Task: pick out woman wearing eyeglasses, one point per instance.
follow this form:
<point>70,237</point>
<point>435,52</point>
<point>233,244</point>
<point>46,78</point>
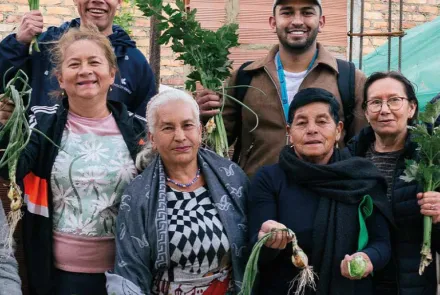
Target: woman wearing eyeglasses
<point>390,105</point>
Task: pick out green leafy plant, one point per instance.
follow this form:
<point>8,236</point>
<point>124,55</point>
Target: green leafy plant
<point>206,51</point>
<point>426,169</point>
<point>125,17</point>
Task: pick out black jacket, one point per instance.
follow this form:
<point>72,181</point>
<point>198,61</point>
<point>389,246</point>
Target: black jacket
<point>33,174</point>
<point>407,238</point>
<point>134,82</point>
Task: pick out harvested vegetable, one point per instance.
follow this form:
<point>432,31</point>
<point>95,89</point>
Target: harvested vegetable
<point>34,5</point>
<point>426,170</point>
<point>205,51</point>
<point>357,266</point>
<point>306,277</point>
<point>18,131</point>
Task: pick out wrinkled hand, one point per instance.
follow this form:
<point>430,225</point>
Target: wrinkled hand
<point>31,25</point>
<point>209,102</point>
<point>348,258</point>
<point>430,205</point>
<point>6,109</point>
<point>278,240</point>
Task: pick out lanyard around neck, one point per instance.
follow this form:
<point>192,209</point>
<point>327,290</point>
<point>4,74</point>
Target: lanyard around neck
<point>282,78</point>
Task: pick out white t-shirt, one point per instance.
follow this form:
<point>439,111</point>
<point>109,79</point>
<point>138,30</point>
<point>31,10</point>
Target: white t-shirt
<point>293,81</point>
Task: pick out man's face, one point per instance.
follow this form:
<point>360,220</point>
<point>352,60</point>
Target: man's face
<point>98,12</point>
<point>297,23</point>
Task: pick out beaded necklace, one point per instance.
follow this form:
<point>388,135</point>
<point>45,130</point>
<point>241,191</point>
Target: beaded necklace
<point>185,185</point>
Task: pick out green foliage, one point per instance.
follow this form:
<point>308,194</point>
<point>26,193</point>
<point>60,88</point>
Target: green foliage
<point>204,50</point>
<point>431,113</point>
<point>125,18</point>
<point>426,170</point>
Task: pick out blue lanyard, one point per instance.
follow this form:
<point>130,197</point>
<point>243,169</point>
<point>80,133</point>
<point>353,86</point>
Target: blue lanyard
<point>282,78</point>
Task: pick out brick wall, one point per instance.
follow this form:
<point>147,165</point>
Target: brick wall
<point>172,73</point>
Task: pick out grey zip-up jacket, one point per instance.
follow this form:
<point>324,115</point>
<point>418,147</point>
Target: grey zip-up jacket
<point>10,283</point>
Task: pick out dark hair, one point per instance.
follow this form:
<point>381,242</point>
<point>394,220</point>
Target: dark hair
<point>311,95</point>
<point>409,89</point>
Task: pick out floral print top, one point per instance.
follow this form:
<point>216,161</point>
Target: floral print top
<point>89,175</point>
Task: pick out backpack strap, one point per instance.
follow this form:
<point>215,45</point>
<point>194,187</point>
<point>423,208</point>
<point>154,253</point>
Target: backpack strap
<point>346,83</point>
<point>243,78</point>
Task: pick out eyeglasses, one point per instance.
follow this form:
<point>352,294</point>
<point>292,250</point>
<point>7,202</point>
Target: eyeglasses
<point>393,103</point>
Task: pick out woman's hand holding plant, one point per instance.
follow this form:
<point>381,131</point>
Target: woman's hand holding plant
<point>356,268</point>
<point>6,109</point>
<point>430,205</point>
<point>277,241</point>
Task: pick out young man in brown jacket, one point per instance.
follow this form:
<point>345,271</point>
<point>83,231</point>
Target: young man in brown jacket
<point>299,61</point>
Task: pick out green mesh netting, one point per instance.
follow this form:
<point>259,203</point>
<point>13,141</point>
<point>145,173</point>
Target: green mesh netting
<point>420,59</point>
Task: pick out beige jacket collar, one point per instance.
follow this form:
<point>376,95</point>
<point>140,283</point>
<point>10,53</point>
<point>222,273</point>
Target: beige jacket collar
<point>324,57</point>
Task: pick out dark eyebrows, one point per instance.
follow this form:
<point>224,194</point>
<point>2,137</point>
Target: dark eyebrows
<point>290,8</point>
<point>323,115</point>
<point>319,116</point>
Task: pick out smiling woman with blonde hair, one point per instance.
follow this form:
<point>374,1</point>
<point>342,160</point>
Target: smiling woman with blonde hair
<point>73,187</point>
<point>182,222</point>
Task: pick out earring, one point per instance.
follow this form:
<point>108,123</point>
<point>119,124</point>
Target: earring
<point>292,146</point>
<point>337,145</point>
<point>111,89</point>
<point>63,94</point>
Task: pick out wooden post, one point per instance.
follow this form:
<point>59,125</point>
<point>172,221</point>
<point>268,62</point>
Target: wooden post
<point>155,50</point>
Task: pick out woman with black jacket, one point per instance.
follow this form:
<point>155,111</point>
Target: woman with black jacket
<point>390,105</point>
<point>318,191</point>
<point>73,184</point>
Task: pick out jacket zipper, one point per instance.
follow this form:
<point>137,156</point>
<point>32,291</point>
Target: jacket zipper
<point>246,156</point>
<point>392,198</point>
<point>279,101</point>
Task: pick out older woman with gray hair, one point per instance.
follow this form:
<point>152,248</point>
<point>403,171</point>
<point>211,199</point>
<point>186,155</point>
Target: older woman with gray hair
<point>182,223</point>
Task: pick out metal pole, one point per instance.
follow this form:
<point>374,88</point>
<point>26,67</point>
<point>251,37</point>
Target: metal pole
<point>389,31</point>
<point>361,41</point>
<point>400,37</point>
<point>350,54</point>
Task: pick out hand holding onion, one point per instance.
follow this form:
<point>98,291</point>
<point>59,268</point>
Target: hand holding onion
<point>279,240</point>
<point>356,266</point>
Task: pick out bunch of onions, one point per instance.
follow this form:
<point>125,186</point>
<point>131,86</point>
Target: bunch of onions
<point>305,278</point>
<point>17,131</point>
